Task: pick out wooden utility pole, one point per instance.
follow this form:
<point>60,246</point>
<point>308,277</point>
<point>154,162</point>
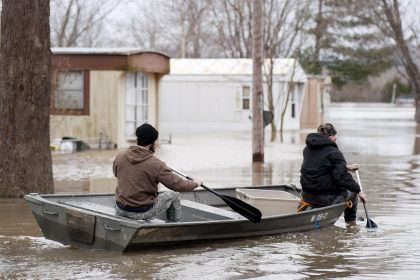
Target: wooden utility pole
<point>25,66</point>
<point>257,85</point>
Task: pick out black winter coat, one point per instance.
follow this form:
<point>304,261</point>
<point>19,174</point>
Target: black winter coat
<point>324,176</point>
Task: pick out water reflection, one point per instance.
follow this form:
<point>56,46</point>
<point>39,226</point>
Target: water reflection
<point>104,185</point>
<point>257,173</point>
<point>262,173</point>
<point>331,257</point>
<point>417,141</point>
<point>374,129</point>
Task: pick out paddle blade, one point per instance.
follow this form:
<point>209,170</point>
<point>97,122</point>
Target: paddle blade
<point>371,224</point>
<point>243,208</point>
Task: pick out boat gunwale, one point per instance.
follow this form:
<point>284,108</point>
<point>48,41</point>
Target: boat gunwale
<point>290,187</point>
<point>43,198</point>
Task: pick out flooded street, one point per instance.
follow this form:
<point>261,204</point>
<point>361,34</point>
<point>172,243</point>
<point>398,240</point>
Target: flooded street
<point>383,140</point>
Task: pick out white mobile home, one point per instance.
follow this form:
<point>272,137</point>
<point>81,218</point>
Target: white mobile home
<point>215,95</point>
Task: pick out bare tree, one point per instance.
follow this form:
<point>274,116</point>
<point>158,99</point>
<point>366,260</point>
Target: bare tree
<point>290,88</point>
<point>319,31</point>
<point>143,27</point>
<point>257,82</point>
<point>191,18</point>
<point>233,23</point>
<point>79,23</point>
<point>179,28</point>
<point>25,62</point>
<point>400,32</point>
<point>284,27</point>
<point>393,28</point>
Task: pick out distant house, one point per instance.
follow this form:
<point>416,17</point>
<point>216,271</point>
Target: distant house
<point>105,92</point>
<point>209,95</point>
<point>316,99</point>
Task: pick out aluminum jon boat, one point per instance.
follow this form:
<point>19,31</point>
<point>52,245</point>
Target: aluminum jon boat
<point>89,220</point>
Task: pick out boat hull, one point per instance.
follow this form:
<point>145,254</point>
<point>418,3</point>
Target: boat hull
<point>89,221</point>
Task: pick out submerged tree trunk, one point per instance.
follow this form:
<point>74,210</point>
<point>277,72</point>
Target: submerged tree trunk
<point>25,164</point>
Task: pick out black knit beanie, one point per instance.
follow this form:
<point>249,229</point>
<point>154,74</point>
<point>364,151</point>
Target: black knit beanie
<point>146,134</point>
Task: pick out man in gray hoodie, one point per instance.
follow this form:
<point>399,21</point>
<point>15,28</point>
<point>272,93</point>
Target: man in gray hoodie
<point>139,172</point>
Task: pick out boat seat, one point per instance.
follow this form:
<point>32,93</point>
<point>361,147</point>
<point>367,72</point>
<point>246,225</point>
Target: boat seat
<point>211,209</point>
<point>103,209</point>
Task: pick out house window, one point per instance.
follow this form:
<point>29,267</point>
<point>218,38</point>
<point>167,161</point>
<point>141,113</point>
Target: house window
<point>293,110</point>
<point>246,94</point>
<point>71,93</point>
<point>293,102</point>
<point>136,102</point>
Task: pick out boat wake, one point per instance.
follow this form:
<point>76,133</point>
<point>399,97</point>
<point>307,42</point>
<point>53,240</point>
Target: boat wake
<point>32,241</point>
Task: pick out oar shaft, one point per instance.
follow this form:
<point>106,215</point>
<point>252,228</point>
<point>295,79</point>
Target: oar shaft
<point>208,189</point>
<point>358,180</point>
<point>241,207</point>
<point>202,185</point>
<point>370,223</point>
<point>182,174</point>
<point>189,178</point>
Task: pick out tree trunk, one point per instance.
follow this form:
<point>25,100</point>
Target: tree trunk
<point>290,89</point>
<point>270,96</point>
<point>25,55</point>
<point>319,32</point>
<point>283,111</point>
<point>257,86</point>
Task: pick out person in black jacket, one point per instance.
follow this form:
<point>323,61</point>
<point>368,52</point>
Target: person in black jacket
<point>325,177</point>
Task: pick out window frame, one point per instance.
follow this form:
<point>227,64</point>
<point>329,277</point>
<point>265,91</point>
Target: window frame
<point>142,99</point>
<point>246,98</point>
<point>86,93</point>
<point>293,100</point>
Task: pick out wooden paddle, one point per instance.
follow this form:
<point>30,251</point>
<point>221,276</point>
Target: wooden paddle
<point>239,206</point>
<point>370,223</point>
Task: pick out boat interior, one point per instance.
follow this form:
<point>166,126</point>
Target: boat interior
<point>197,206</point>
<point>191,211</point>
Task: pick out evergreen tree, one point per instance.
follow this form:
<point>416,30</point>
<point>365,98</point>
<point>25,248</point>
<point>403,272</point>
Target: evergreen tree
<point>346,43</point>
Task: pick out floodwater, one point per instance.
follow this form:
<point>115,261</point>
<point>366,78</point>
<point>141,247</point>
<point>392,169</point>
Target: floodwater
<point>382,139</point>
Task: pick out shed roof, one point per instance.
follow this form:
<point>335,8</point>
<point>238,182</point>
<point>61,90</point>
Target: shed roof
<point>129,59</point>
<point>111,51</point>
<point>232,66</point>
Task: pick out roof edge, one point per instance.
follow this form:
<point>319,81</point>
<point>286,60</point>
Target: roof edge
<point>103,51</point>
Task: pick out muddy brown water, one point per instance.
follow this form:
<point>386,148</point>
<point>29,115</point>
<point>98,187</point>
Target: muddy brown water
<point>387,150</point>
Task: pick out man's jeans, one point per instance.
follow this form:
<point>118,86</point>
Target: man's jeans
<point>167,201</point>
<point>349,213</point>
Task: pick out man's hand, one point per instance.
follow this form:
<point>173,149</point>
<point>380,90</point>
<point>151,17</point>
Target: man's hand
<point>198,182</point>
<point>352,167</point>
<point>362,196</point>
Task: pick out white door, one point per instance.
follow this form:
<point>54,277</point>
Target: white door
<point>136,102</point>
